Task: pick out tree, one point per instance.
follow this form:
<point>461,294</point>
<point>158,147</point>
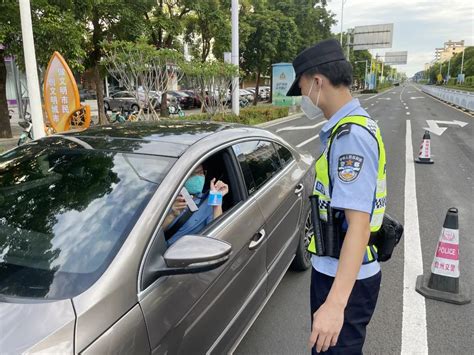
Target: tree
<point>211,82</point>
<point>109,20</point>
<point>272,37</point>
<point>52,24</point>
<point>138,63</point>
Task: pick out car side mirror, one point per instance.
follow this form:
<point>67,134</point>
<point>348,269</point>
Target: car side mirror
<point>193,254</point>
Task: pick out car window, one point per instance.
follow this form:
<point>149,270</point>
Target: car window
<point>64,214</point>
<point>180,220</point>
<point>284,154</point>
<point>259,162</point>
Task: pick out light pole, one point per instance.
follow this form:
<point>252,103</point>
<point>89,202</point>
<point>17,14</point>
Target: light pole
<point>235,56</point>
<point>31,70</point>
<point>342,17</point>
<point>462,59</point>
<point>449,67</point>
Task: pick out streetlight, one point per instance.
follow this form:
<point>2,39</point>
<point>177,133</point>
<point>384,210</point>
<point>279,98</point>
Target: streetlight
<point>235,56</point>
<point>342,16</point>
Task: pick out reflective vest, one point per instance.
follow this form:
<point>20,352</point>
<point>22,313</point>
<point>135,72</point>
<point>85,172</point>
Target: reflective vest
<point>322,185</point>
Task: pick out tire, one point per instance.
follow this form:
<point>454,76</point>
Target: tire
<point>302,260</point>
<point>106,107</point>
<point>135,107</point>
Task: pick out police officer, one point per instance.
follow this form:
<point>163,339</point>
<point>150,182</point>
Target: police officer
<point>350,182</point>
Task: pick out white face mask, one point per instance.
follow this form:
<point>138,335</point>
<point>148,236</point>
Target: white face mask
<point>310,110</point>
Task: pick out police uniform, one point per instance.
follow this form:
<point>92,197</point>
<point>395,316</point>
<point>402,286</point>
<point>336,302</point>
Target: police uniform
<point>350,174</point>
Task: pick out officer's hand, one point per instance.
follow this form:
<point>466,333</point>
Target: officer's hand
<point>219,186</point>
<point>179,205</point>
<point>327,324</point>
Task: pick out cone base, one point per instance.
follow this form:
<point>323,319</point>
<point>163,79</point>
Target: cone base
<point>462,297</point>
<point>419,161</point>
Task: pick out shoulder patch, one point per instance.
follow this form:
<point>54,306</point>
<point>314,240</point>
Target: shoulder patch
<point>349,167</point>
<point>343,130</point>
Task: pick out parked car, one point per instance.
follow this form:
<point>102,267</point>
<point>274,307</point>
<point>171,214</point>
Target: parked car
<point>246,94</point>
<point>85,94</point>
<point>185,101</point>
<point>85,267</point>
<point>121,100</point>
<point>196,100</point>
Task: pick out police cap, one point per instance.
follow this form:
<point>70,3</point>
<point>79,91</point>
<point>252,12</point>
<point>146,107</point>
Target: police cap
<point>321,53</point>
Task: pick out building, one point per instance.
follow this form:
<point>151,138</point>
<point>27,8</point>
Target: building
<point>449,50</point>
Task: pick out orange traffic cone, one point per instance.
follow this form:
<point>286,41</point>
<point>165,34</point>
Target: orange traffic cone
<point>424,157</point>
<point>443,283</point>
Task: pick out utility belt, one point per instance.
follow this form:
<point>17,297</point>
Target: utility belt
<point>329,235</point>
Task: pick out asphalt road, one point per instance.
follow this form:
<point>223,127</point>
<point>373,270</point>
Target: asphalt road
<point>436,327</point>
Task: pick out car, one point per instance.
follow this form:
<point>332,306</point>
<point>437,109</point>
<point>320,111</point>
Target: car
<point>182,99</point>
<point>85,94</point>
<point>121,100</point>
<point>85,266</point>
<point>246,94</point>
<point>196,100</point>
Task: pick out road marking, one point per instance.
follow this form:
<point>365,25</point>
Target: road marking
<point>408,113</point>
<point>414,337</point>
<point>365,108</point>
<point>371,104</point>
<point>369,98</point>
<point>434,128</point>
<point>297,128</point>
<point>307,141</point>
<point>282,120</point>
<point>416,97</point>
<point>384,98</point>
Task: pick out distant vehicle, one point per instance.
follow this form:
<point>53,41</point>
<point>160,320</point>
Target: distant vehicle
<point>87,94</point>
<point>246,94</point>
<point>184,100</point>
<point>122,100</point>
<point>85,263</point>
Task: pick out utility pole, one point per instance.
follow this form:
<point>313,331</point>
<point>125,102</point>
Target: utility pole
<point>31,70</point>
<point>348,44</point>
<point>235,57</point>
<point>462,59</point>
<point>449,67</point>
<point>342,17</point>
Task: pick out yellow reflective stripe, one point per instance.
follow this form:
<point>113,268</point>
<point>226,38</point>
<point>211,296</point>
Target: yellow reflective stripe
<point>312,245</point>
<point>375,248</point>
<point>370,257</point>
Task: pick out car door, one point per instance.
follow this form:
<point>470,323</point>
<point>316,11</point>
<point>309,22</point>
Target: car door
<point>274,179</point>
<point>205,312</point>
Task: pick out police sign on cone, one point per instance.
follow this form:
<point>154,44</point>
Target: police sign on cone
<point>443,283</point>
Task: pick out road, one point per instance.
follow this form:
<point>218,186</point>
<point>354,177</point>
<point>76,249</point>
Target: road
<point>404,321</point>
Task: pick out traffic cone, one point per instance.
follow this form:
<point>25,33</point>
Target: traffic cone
<point>424,157</point>
<point>443,283</point>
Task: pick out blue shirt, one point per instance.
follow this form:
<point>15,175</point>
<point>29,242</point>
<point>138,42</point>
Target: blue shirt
<point>356,191</point>
<point>198,220</point>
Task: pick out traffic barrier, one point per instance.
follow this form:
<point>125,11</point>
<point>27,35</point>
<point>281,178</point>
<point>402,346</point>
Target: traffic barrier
<point>424,157</point>
<point>443,283</point>
<point>458,98</point>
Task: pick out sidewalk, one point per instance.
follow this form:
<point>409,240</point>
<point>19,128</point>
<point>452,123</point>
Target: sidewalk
<point>9,143</point>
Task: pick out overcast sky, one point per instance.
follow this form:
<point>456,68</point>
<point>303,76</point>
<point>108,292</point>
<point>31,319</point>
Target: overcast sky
<point>419,26</point>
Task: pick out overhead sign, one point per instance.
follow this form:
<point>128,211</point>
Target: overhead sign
<point>283,76</point>
<point>61,96</point>
<point>396,58</point>
<point>374,36</point>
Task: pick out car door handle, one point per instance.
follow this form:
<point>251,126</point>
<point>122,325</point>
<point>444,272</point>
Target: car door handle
<point>257,239</point>
<point>299,188</point>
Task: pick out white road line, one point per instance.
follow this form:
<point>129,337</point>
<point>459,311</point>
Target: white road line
<point>414,334</point>
<point>297,128</point>
<point>307,141</point>
<point>365,108</point>
<point>369,98</point>
<point>408,113</point>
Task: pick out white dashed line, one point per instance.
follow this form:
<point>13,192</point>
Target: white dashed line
<point>297,128</point>
<point>408,113</point>
<point>307,141</point>
<point>414,334</point>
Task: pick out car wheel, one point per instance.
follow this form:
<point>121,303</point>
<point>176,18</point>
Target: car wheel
<point>106,107</point>
<point>302,260</point>
<point>135,107</point>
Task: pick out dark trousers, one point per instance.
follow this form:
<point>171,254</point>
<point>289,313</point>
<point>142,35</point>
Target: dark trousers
<point>357,315</point>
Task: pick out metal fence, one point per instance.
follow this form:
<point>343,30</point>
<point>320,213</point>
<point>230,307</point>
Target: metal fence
<point>462,99</point>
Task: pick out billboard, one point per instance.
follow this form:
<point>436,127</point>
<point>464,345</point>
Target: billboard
<point>396,58</point>
<point>283,76</point>
<point>374,36</point>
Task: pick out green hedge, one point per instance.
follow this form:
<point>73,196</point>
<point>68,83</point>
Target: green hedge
<point>469,81</point>
<point>452,81</point>
<point>248,115</point>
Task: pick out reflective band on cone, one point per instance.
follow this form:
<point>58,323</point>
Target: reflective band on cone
<point>424,156</point>
<point>443,283</point>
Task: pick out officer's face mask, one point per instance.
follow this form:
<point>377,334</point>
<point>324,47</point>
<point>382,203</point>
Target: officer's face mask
<point>309,108</point>
<point>195,184</point>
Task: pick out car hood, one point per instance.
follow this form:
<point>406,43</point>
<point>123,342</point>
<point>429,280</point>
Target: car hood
<point>28,326</point>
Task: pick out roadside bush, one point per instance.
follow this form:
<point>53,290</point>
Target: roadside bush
<point>248,115</point>
<point>469,81</point>
<point>452,81</point>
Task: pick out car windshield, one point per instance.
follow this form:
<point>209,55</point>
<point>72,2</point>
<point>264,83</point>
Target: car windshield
<point>64,214</point>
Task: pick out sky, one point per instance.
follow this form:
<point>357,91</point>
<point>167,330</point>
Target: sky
<point>419,26</point>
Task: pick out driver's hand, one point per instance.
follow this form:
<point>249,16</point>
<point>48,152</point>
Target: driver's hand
<point>178,205</point>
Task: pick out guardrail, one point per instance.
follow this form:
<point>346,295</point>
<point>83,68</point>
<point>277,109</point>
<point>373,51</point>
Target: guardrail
<point>462,99</point>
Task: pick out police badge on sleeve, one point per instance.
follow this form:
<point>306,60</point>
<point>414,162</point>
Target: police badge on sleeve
<point>349,166</point>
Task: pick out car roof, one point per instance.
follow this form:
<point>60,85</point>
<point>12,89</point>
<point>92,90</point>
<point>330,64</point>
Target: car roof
<point>164,138</point>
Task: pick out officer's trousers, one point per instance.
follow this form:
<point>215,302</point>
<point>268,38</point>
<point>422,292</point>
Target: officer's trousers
<point>358,312</point>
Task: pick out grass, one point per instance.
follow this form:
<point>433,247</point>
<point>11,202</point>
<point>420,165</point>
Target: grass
<point>459,87</point>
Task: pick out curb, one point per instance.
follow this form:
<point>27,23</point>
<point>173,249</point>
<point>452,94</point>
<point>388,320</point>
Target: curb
<point>280,120</point>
